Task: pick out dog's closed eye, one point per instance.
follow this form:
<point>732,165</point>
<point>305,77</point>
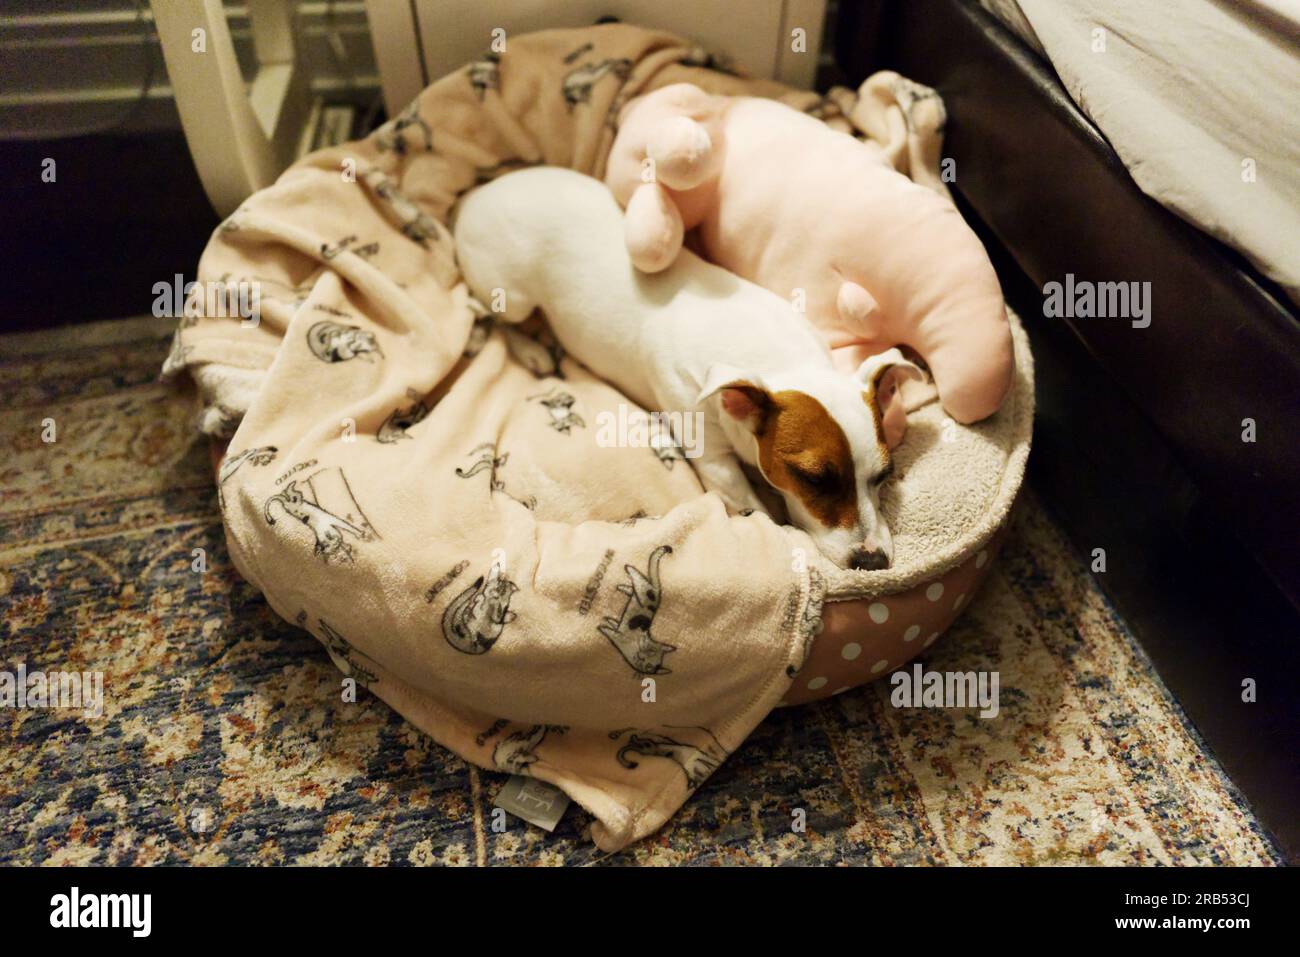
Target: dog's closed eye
<point>879,478</point>
<point>818,479</point>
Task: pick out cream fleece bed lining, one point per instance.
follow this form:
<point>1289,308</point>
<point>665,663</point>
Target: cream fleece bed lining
<point>953,489</point>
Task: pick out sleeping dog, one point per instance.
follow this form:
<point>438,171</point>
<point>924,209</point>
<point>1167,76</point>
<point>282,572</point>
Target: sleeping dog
<point>695,338</point>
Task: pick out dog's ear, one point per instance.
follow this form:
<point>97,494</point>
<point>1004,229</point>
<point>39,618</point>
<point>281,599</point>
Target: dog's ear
<point>881,377</point>
<point>742,396</point>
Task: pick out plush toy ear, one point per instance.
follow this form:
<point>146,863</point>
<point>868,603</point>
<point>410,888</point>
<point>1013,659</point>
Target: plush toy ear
<point>881,376</point>
<point>743,397</point>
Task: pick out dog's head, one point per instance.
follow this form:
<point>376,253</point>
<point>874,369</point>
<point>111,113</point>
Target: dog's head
<point>822,440</point>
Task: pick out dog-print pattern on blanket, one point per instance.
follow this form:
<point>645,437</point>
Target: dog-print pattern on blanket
<point>560,407</point>
<point>391,137</point>
<point>629,633</point>
<point>259,455</point>
<point>539,358</point>
<point>478,336</point>
<point>330,524</point>
<point>664,443</point>
<point>578,82</point>
<point>572,55</point>
<point>477,616</point>
<point>484,458</point>
<point>485,73</point>
<point>292,296</point>
<point>334,311</point>
<point>708,60</point>
<point>347,244</point>
<point>195,309</point>
<point>695,750</point>
<point>394,428</point>
<point>342,650</point>
<point>495,728</point>
<point>337,342</point>
<point>516,753</point>
<point>697,57</point>
<point>416,225</point>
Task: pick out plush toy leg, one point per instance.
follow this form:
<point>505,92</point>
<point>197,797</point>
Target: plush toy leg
<point>652,228</point>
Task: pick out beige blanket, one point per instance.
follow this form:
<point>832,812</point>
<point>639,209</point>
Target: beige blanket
<point>438,501</point>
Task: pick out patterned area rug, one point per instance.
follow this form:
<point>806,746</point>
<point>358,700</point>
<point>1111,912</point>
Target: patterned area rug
<point>223,739</point>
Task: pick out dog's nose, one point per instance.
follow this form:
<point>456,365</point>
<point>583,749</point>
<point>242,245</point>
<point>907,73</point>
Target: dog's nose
<point>868,559</point>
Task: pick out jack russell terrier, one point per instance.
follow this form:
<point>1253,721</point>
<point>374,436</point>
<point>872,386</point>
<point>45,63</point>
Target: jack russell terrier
<point>696,338</point>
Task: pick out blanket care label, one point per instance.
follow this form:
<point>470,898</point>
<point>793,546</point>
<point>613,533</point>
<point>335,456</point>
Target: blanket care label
<point>535,801</point>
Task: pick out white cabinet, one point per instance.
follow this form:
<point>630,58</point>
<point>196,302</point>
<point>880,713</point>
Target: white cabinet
<point>418,41</point>
<point>242,136</point>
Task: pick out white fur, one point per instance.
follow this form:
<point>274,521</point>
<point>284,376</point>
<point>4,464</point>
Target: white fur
<point>553,238</point>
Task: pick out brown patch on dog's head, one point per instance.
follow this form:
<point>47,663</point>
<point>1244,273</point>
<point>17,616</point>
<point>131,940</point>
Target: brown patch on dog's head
<point>801,449</point>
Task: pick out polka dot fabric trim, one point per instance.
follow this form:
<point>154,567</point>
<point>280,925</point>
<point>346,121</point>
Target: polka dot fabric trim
<point>863,639</point>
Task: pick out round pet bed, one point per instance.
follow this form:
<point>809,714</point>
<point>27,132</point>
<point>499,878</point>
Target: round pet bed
<point>433,496</point>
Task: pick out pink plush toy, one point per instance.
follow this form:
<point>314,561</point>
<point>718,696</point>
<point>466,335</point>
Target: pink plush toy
<point>783,200</point>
